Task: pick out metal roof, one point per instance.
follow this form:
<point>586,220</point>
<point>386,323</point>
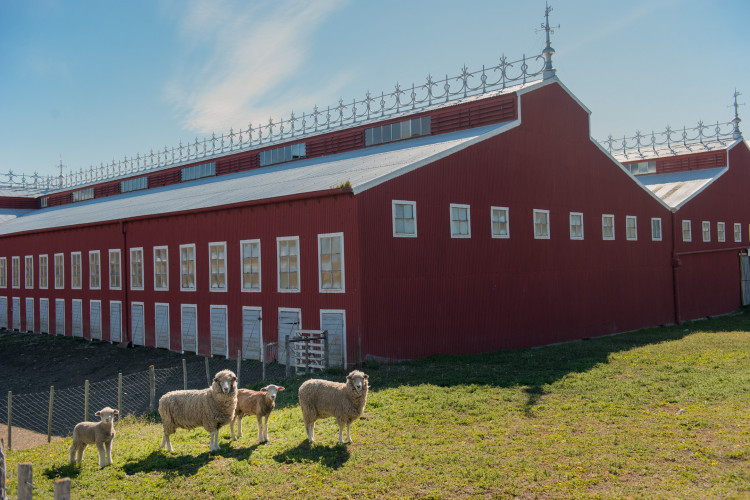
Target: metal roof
<point>674,149</point>
<point>675,189</point>
<point>363,169</point>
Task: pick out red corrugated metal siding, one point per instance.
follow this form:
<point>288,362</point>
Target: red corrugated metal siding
<point>708,159</point>
<point>15,202</point>
<point>433,294</point>
<point>474,114</point>
<point>237,163</point>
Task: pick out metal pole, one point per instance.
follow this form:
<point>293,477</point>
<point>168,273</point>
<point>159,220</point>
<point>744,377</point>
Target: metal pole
<point>62,489</point>
<point>10,420</point>
<point>49,414</point>
<point>151,388</point>
<point>119,392</point>
<point>25,481</point>
<point>85,400</point>
<point>184,374</point>
<point>208,375</point>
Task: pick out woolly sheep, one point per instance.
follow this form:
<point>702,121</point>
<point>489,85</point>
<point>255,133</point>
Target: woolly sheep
<point>99,433</point>
<point>211,408</point>
<point>322,398</point>
<point>259,403</point>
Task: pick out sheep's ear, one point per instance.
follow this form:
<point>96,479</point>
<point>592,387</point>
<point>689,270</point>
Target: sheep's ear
<point>366,376</point>
<point>279,388</point>
<point>98,413</point>
<point>116,412</point>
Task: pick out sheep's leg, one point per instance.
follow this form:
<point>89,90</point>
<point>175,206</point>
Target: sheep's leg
<point>73,453</point>
<point>239,425</point>
<point>213,441</point>
<point>260,430</point>
<point>231,427</point>
<point>310,428</point>
<point>100,449</point>
<point>165,442</point>
<point>79,451</point>
<point>265,429</point>
<point>108,446</point>
<point>348,435</point>
<point>341,432</point>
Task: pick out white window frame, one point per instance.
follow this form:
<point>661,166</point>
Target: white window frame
<point>16,272</point>
<point>278,265</point>
<point>242,266</point>
<point>165,286</point>
<point>43,271</point>
<point>211,287</point>
<point>28,272</point>
<point>653,236</point>
<point>413,205</point>
<point>3,272</point>
<point>687,230</point>
<point>468,220</point>
<point>115,256</point>
<point>133,285</point>
<point>721,232</point>
<point>546,234</point>
<point>59,278</point>
<point>737,232</point>
<point>193,272</point>
<point>507,222</point>
<point>610,217</point>
<point>98,258</point>
<point>634,237</point>
<point>73,257</point>
<point>570,222</point>
<point>320,264</point>
<point>706,231</point>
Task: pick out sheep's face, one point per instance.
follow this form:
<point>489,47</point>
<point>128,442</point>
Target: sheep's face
<point>107,414</point>
<point>357,380</point>
<point>227,381</point>
<point>272,391</point>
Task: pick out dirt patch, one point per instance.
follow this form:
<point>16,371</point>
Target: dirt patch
<point>24,438</point>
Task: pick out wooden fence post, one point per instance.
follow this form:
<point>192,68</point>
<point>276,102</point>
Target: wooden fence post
<point>49,414</point>
<point>208,375</point>
<point>25,481</point>
<point>151,388</point>
<point>184,374</point>
<point>10,420</point>
<point>119,393</point>
<point>62,489</point>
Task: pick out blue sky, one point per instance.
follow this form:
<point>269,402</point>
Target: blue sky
<point>94,81</point>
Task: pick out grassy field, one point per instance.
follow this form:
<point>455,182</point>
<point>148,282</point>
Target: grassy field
<point>658,413</point>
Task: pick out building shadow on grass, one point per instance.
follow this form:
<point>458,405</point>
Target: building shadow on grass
<point>332,457</point>
<point>184,465</point>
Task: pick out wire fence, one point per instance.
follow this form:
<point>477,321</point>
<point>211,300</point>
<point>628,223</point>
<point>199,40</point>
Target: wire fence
<point>58,411</point>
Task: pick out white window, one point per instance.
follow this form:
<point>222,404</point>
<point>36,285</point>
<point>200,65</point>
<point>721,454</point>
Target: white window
<point>288,264</point>
<point>16,262</point>
<point>95,270</point>
<point>59,271</point>
<point>218,258</point>
<point>687,232</point>
<point>576,225</point>
<point>250,250</point>
<point>720,232</point>
<point>460,221</point>
<point>136,268</point>
<point>3,272</point>
<point>737,232</point>
<point>500,222</point>
<point>331,262</point>
<point>656,229</point>
<point>43,272</point>
<point>706,227</point>
<point>161,268</point>
<point>76,280</point>
<point>28,270</point>
<point>404,219</point>
<point>115,270</point>
<point>631,227</point>
<point>608,227</point>
<point>187,267</point>
<point>541,224</point>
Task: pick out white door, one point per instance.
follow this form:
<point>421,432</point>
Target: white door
<point>219,343</point>
<point>161,326</point>
<point>95,319</point>
<point>29,314</point>
<point>335,322</point>
<point>289,320</point>
<point>115,321</point>
<point>745,278</point>
<point>77,318</point>
<point>59,316</point>
<point>252,333</point>
<point>44,315</point>
<point>137,326</point>
<point>189,328</point>
<point>17,313</point>
<point>4,312</point>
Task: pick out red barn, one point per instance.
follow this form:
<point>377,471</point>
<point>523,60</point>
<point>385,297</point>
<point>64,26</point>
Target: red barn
<point>411,224</point>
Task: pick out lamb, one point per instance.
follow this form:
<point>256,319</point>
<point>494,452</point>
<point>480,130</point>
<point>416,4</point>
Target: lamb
<point>322,398</point>
<point>259,403</point>
<point>99,433</point>
<point>212,408</point>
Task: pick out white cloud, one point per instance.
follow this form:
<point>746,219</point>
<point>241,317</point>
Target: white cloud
<point>239,55</point>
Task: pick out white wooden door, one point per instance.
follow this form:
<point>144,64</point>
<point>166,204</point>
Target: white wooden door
<point>115,321</point>
<point>77,316</point>
<point>335,322</point>
<point>95,319</point>
<point>29,327</point>
<point>4,312</point>
<point>189,328</point>
<point>44,315</point>
<point>161,325</point>
<point>17,313</point>
<point>137,325</point>
<point>289,320</point>
<point>252,333</point>
<point>59,316</point>
<point>219,342</point>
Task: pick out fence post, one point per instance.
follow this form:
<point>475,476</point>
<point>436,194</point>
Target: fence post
<point>85,400</point>
<point>288,358</point>
<point>25,481</point>
<point>151,388</point>
<point>239,366</point>
<point>10,420</point>
<point>49,415</point>
<point>208,375</point>
<point>184,374</point>
<point>119,392</point>
<point>62,489</point>
<point>3,491</point>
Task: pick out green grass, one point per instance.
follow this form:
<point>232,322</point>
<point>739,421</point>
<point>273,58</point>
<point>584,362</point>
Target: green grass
<point>658,413</point>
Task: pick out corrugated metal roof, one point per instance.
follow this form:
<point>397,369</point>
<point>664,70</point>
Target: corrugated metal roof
<point>677,188</point>
<point>363,169</point>
<point>7,214</point>
<point>674,149</point>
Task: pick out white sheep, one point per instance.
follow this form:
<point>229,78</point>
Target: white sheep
<point>99,433</point>
<point>259,403</point>
<point>211,408</point>
<point>323,398</point>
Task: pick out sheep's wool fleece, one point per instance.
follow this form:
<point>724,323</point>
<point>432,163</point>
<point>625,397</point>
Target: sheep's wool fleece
<point>210,408</point>
<point>323,398</point>
<point>253,403</point>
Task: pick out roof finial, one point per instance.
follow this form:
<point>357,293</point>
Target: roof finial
<point>736,134</point>
<point>60,166</point>
<point>549,71</point>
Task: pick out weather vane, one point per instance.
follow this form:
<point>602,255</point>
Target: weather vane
<point>736,133</point>
<point>549,71</point>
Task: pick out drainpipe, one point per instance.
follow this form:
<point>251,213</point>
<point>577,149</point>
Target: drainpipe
<point>125,285</point>
<point>675,266</point>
